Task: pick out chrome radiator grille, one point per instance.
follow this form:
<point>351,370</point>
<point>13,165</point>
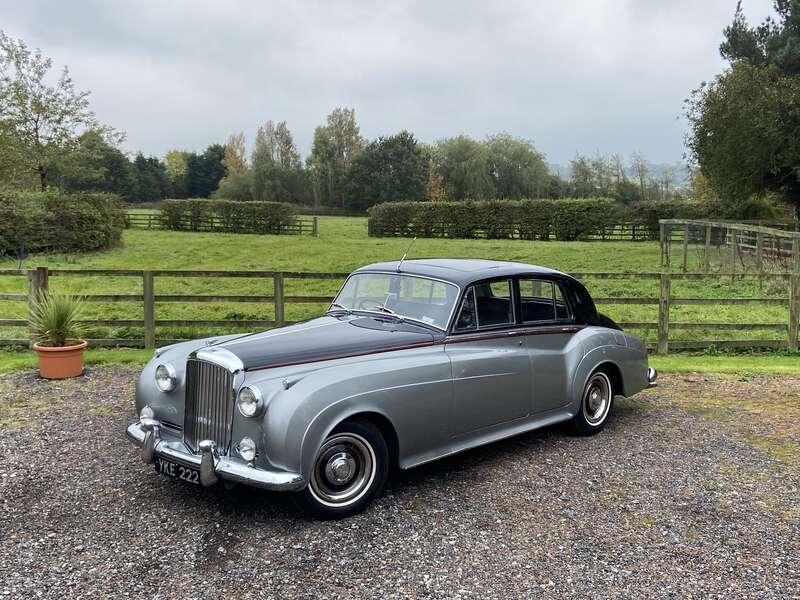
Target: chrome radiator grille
<point>209,405</point>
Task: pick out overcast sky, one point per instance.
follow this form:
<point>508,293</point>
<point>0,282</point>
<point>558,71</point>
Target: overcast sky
<point>571,75</point>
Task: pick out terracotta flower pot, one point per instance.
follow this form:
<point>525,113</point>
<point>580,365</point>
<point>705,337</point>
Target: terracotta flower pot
<point>60,362</point>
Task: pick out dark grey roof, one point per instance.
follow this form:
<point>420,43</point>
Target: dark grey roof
<point>461,271</point>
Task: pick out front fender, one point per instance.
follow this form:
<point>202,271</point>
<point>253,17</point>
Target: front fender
<point>411,389</point>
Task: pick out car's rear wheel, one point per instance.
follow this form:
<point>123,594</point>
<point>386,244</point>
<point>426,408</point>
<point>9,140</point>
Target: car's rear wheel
<point>596,403</point>
<point>349,470</point>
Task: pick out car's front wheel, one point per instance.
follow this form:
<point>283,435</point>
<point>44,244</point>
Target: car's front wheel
<point>596,403</point>
<point>349,470</point>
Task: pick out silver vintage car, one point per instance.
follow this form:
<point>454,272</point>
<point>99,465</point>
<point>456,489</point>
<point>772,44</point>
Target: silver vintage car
<point>414,360</point>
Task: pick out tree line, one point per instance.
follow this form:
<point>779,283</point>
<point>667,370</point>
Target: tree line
<point>49,137</point>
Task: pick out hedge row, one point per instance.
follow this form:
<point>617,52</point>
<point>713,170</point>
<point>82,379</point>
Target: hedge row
<point>56,221</point>
<point>228,216</point>
<point>565,219</point>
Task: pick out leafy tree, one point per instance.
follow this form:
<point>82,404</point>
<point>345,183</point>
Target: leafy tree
<point>434,186</point>
<point>774,43</point>
<point>234,159</point>
<point>236,187</point>
<point>335,146</point>
<point>582,177</point>
<point>175,162</point>
<point>94,165</point>
<point>152,181</point>
<point>745,124</point>
<point>641,168</point>
<point>517,168</point>
<point>205,171</point>
<point>388,169</point>
<point>277,171</point>
<point>39,122</point>
<point>465,166</point>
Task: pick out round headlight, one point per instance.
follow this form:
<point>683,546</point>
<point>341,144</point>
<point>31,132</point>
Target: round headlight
<point>247,449</point>
<point>249,401</point>
<point>166,378</point>
<point>146,413</point>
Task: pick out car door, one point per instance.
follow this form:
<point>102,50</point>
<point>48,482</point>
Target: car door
<point>490,364</point>
<point>547,320</point>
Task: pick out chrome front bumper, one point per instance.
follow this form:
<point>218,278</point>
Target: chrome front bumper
<point>146,434</point>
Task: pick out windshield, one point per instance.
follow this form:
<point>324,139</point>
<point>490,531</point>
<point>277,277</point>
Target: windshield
<point>417,298</point>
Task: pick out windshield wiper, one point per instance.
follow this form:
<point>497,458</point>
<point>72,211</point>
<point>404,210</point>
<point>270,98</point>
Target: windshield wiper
<point>381,308</point>
<point>337,306</point>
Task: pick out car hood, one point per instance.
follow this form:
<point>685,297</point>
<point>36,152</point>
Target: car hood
<point>326,338</point>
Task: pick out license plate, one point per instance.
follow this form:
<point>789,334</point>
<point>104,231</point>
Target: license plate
<point>167,467</point>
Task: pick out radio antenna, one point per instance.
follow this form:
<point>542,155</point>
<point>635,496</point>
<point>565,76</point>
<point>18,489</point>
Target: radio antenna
<point>400,264</point>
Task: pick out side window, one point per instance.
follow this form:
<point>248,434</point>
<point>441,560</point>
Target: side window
<point>467,317</point>
<point>542,300</point>
<point>494,303</point>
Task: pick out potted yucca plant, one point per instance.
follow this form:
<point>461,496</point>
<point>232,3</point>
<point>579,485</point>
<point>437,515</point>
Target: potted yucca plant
<point>57,335</point>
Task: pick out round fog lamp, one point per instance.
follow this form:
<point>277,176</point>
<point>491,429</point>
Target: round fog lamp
<point>166,378</point>
<point>146,413</point>
<point>249,401</point>
<point>247,449</point>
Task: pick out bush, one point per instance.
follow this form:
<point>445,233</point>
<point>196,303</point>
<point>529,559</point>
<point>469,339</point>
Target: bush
<point>227,216</point>
<point>572,219</point>
<point>59,222</point>
<point>565,220</point>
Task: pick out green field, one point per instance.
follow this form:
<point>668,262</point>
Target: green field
<point>343,245</point>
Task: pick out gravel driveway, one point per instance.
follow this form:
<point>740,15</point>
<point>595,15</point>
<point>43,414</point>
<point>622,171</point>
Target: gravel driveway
<point>665,502</point>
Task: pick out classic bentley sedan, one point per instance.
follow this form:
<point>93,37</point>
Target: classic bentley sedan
<point>414,360</point>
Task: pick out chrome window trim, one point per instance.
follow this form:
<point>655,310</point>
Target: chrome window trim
<point>499,326</point>
<point>470,290</point>
<point>456,304</point>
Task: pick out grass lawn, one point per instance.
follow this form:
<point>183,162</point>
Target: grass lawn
<point>343,245</point>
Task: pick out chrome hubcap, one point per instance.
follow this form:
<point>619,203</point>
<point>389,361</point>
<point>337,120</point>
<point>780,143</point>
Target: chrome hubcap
<point>340,468</point>
<point>597,399</point>
<point>343,471</point>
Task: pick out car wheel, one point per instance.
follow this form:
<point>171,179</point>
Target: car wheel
<point>349,470</point>
<point>597,401</point>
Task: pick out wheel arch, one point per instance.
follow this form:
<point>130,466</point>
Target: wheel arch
<point>324,425</point>
<point>614,374</point>
<point>384,426</point>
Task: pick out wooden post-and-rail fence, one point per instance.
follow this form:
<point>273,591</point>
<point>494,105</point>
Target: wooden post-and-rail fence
<point>39,281</point>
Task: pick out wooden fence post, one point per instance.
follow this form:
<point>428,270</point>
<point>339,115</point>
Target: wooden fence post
<point>760,252</point>
<point>707,253</point>
<point>685,245</point>
<point>38,283</point>
<point>663,314</point>
<point>664,245</point>
<point>280,318</point>
<point>794,310</point>
<point>315,227</point>
<point>148,291</point>
<point>794,294</point>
